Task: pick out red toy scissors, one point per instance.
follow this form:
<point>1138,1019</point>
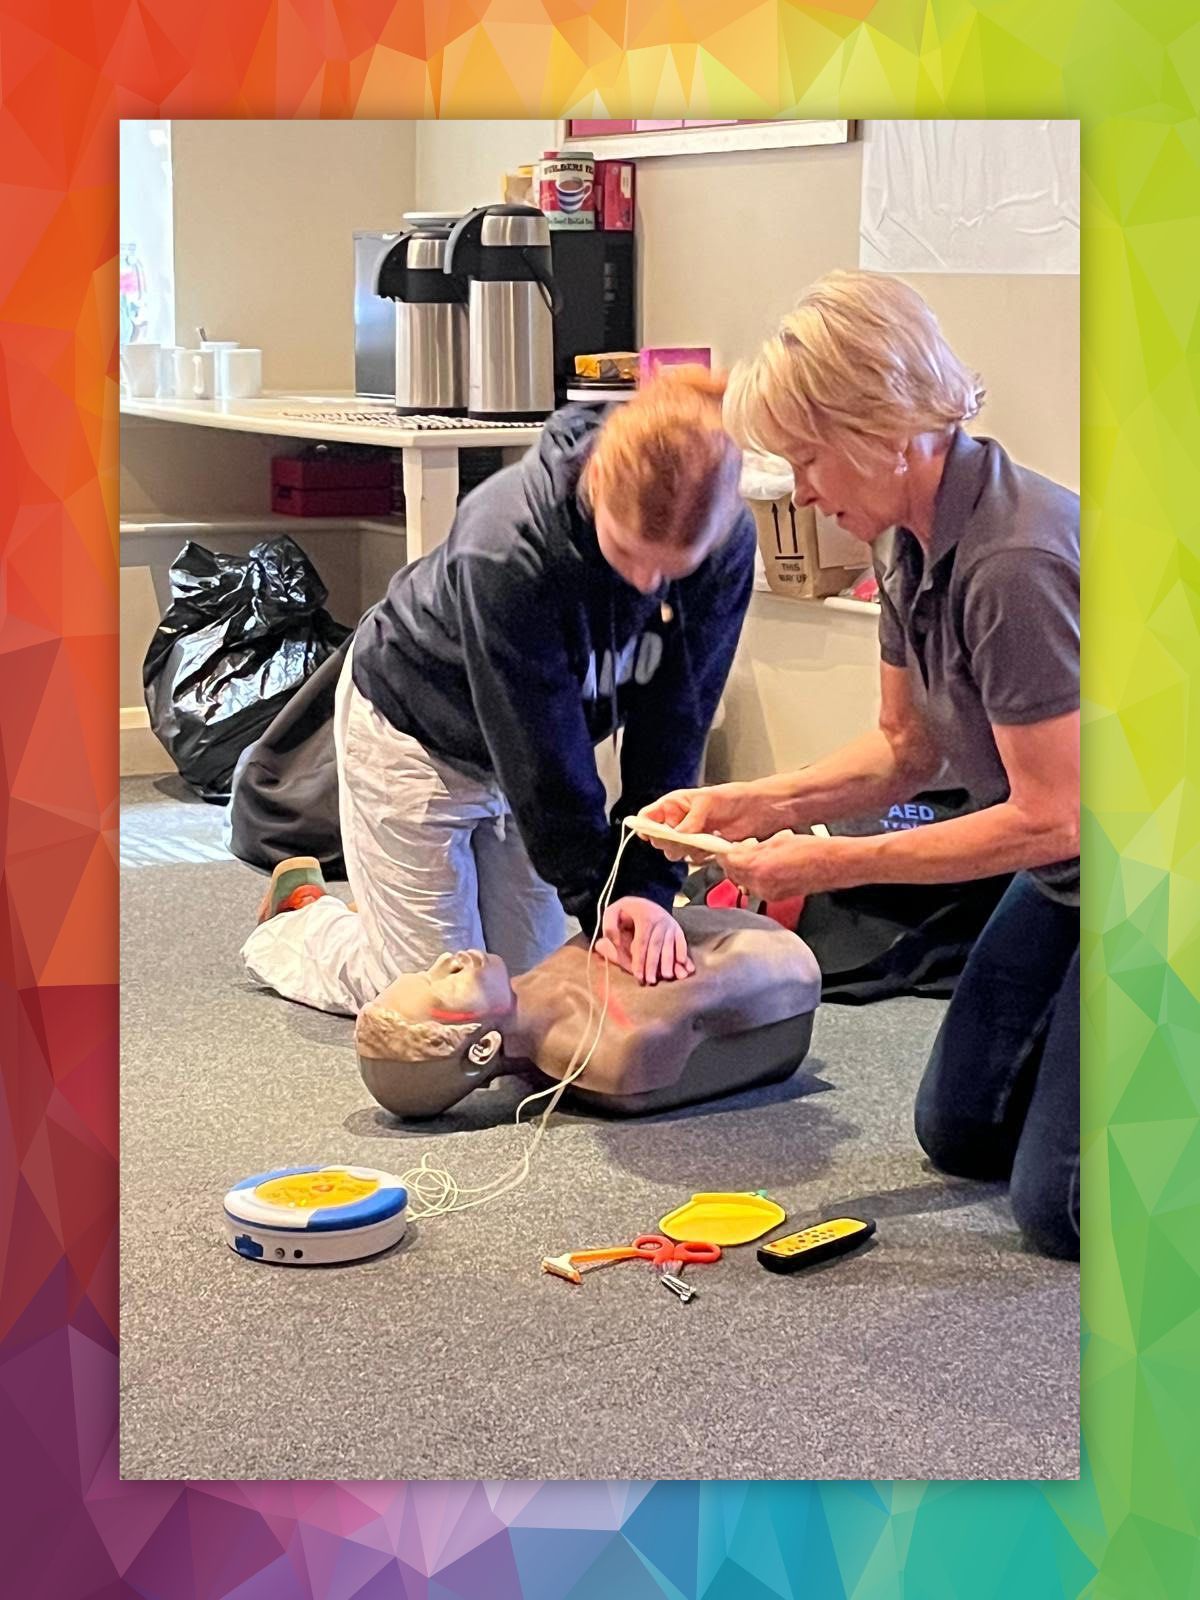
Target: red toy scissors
<point>671,1257</point>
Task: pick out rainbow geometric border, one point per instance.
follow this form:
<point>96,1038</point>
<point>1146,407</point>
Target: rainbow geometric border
<point>67,73</point>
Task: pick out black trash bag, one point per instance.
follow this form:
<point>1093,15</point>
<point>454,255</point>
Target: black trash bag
<point>285,785</point>
<point>240,636</point>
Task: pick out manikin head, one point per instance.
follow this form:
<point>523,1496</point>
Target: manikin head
<point>430,1037</point>
<point>860,392</point>
<point>463,986</point>
<point>662,479</point>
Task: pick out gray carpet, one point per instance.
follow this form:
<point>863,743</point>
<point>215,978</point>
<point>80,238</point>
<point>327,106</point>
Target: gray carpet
<point>945,1350</point>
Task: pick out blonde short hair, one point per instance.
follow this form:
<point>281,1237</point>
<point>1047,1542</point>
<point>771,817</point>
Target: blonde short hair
<point>860,362</point>
<point>385,1035</point>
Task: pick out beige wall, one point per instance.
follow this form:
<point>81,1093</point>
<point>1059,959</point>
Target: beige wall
<point>751,229</point>
<point>1022,335</point>
<point>264,213</point>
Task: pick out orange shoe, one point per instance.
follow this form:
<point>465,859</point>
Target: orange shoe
<point>295,883</point>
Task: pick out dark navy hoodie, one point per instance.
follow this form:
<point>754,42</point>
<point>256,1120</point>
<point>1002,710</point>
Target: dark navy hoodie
<point>513,649</point>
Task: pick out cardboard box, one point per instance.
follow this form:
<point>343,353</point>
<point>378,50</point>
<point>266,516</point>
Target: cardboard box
<point>622,364</point>
<point>787,541</point>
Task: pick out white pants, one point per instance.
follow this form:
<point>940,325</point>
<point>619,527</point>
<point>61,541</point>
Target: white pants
<point>435,863</point>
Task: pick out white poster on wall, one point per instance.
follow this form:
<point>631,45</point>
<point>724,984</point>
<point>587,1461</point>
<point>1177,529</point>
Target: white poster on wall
<point>998,197</point>
<point>146,266</point>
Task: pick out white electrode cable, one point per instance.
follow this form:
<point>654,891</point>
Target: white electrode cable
<point>435,1190</point>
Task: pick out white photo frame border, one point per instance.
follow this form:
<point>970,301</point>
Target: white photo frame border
<point>720,140</point>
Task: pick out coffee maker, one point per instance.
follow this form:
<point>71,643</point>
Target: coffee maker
<point>503,252</point>
<point>595,276</point>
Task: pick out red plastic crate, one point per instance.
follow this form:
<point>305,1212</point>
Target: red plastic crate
<point>331,472</point>
<point>348,502</point>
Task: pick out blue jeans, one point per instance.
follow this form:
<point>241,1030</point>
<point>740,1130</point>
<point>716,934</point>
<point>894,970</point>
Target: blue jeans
<point>1000,1095</point>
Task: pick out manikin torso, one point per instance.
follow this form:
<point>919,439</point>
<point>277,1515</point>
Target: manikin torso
<point>742,1017</point>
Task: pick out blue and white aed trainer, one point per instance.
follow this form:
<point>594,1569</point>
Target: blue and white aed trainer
<point>312,1216</point>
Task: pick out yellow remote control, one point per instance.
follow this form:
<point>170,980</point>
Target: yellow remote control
<point>819,1243</point>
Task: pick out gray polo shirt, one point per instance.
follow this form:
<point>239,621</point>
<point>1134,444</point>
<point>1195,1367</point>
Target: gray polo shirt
<point>988,621</point>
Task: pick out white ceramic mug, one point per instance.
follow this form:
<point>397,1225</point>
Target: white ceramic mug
<point>139,370</point>
<point>166,370</point>
<point>207,385</point>
<point>239,373</point>
<point>195,374</point>
<point>184,374</point>
<point>204,374</point>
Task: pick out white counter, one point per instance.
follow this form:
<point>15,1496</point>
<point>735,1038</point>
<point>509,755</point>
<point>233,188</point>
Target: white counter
<point>429,455</point>
<point>346,418</point>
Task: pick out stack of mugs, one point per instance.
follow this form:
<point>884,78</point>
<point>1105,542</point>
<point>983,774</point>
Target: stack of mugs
<point>218,369</point>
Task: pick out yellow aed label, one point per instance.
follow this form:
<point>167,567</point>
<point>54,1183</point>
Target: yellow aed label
<point>838,1228</point>
<point>309,1191</point>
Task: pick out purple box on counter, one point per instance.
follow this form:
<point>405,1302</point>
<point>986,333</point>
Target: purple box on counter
<point>614,194</point>
<point>655,356</point>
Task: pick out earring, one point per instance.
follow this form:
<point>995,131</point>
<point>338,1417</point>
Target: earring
<point>901,464</point>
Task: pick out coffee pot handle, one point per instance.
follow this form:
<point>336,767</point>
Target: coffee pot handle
<point>393,270</point>
<point>551,293</point>
<point>461,257</point>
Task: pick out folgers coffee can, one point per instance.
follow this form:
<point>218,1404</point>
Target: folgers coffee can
<point>567,188</point>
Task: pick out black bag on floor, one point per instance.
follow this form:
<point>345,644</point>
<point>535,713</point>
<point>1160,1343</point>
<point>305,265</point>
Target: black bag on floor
<point>887,939</point>
<point>241,634</point>
<point>285,786</point>
<point>883,940</point>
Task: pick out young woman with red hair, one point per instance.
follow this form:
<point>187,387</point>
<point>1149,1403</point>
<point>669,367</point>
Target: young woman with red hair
<point>599,584</point>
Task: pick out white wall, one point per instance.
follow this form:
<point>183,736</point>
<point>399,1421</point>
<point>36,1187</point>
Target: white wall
<point>459,165</point>
<point>264,218</point>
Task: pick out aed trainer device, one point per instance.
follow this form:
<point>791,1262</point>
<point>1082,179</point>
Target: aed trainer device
<point>314,1216</point>
<point>822,1242</point>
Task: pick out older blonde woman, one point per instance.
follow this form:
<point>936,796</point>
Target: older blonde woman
<point>978,567</point>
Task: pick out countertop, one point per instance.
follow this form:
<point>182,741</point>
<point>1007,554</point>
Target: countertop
<point>352,419</point>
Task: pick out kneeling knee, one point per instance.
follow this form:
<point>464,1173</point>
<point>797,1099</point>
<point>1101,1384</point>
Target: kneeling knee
<point>958,1146</point>
<point>1048,1217</point>
<point>940,1143</point>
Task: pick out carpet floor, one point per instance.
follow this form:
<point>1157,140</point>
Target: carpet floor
<point>943,1350</point>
